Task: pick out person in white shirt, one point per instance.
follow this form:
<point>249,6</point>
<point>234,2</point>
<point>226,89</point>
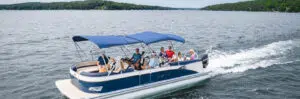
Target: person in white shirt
<point>180,58</point>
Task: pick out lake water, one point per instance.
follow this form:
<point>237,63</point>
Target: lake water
<point>255,54</point>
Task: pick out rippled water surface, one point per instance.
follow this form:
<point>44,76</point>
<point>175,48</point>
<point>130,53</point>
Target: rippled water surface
<point>254,54</point>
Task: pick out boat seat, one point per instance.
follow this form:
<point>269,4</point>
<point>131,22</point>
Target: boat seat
<point>88,69</point>
<point>127,68</point>
<point>85,64</point>
<point>94,74</point>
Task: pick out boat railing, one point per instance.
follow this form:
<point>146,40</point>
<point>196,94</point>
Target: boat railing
<point>90,68</point>
<point>183,62</point>
<point>115,65</point>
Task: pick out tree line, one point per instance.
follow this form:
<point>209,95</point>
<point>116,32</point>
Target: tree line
<point>81,5</point>
<point>258,5</point>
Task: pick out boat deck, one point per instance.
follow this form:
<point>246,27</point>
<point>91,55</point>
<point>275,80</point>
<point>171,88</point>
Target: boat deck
<point>72,92</point>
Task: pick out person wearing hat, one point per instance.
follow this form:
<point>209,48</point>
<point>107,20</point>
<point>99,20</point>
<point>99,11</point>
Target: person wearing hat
<point>136,59</point>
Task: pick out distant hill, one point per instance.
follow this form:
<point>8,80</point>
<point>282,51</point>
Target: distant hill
<point>258,5</point>
<point>81,5</point>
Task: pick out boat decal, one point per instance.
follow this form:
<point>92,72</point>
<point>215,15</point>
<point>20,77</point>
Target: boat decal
<point>96,88</point>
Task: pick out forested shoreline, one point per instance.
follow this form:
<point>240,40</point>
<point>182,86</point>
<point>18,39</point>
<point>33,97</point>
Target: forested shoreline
<point>258,5</point>
<point>81,5</point>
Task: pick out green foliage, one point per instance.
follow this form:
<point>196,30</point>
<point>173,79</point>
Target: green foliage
<point>259,5</point>
<point>80,5</point>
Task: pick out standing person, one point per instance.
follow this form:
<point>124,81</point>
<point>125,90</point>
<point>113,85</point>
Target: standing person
<point>136,59</point>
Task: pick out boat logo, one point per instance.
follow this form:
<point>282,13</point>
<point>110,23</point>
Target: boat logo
<point>96,88</point>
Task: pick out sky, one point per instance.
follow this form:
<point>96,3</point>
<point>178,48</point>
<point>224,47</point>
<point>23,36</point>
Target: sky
<point>167,3</point>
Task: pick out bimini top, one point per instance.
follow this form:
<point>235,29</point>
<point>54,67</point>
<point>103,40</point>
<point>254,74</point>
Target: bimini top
<point>144,37</point>
<point>106,41</point>
<point>152,37</point>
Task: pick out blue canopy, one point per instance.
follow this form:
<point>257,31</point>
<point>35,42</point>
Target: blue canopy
<point>144,37</point>
<point>106,41</point>
<point>153,37</point>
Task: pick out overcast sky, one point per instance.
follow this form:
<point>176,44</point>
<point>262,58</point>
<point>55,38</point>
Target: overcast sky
<point>168,3</point>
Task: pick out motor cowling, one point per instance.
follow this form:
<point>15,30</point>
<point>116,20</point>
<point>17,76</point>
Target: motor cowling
<point>204,60</point>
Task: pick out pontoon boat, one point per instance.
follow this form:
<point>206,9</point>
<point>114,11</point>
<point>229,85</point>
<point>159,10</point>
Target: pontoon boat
<point>87,82</point>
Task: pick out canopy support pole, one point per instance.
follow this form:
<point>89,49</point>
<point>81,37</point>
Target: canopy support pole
<point>81,50</point>
<point>150,48</point>
<point>171,44</point>
<point>105,62</point>
<point>91,53</point>
<point>148,63</point>
<point>77,50</point>
<point>124,52</point>
<point>125,47</point>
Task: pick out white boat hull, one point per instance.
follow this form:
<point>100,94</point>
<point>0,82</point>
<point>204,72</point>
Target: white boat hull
<point>142,91</point>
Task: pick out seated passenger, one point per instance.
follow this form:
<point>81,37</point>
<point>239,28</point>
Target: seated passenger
<point>153,60</point>
<point>174,58</point>
<point>128,63</point>
<point>162,56</point>
<point>111,63</point>
<point>193,54</point>
<point>136,59</point>
<point>102,63</point>
<point>162,53</point>
<point>179,57</point>
<point>145,65</point>
<point>119,66</point>
<point>170,52</point>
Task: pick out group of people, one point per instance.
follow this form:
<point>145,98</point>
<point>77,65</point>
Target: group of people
<point>138,62</point>
<point>170,56</point>
<point>109,63</point>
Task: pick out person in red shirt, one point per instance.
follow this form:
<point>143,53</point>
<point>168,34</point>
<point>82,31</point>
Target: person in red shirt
<point>170,52</point>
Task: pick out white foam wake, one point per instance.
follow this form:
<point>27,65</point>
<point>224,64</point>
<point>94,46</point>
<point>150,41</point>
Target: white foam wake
<point>264,56</point>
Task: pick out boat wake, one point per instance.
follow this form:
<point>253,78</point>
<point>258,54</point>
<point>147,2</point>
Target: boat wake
<point>221,62</point>
<point>253,58</point>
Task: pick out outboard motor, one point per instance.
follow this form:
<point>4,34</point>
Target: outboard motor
<point>204,60</point>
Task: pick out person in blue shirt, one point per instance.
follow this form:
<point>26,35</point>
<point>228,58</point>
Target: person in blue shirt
<point>162,56</point>
<point>102,63</point>
<point>162,53</point>
<point>103,60</point>
<point>136,59</point>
